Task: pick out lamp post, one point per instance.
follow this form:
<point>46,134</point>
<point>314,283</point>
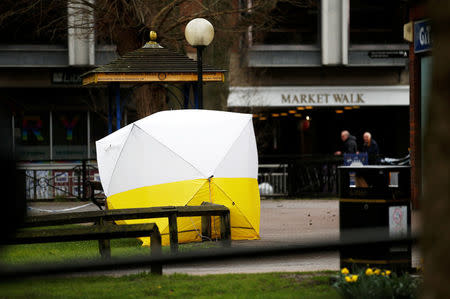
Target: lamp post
<point>199,33</point>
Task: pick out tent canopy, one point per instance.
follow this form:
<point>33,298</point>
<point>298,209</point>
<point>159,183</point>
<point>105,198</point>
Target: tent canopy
<point>185,157</point>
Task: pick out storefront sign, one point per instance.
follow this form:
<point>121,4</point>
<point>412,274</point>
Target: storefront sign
<point>278,96</point>
<point>422,36</point>
<point>66,78</point>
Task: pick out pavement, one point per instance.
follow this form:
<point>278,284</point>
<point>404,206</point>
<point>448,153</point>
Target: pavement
<point>282,222</point>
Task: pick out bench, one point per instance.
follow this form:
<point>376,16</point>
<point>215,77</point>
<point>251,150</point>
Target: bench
<point>205,211</point>
<point>96,232</point>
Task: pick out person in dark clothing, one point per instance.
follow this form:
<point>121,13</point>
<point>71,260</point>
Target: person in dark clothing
<point>349,144</point>
<point>370,147</point>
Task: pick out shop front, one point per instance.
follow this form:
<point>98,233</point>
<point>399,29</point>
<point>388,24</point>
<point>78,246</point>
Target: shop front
<point>54,124</point>
<point>53,133</point>
<point>307,120</point>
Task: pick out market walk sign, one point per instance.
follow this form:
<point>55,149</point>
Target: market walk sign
<point>282,96</point>
<point>324,98</point>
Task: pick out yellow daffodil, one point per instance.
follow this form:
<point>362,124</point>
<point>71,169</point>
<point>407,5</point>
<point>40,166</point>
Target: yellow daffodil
<point>377,271</point>
<point>354,278</point>
<point>348,279</point>
<point>369,271</point>
<point>344,271</point>
<point>388,272</point>
<point>382,273</point>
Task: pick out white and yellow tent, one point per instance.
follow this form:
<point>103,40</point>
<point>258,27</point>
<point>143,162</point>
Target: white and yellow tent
<point>185,157</point>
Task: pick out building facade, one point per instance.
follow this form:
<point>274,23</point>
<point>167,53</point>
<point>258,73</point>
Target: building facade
<point>51,121</point>
<point>322,67</point>
<point>316,68</point>
<point>52,116</point>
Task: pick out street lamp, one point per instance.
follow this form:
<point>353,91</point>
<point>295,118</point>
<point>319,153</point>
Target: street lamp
<point>199,33</point>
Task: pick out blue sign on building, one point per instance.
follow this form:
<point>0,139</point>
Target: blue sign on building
<point>422,36</point>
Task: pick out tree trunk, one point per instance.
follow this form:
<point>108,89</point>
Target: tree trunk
<point>150,98</point>
<point>436,204</point>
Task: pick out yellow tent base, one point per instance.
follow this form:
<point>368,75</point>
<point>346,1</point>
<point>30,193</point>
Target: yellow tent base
<point>240,195</point>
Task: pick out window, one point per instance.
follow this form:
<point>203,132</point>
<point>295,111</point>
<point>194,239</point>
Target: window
<point>377,22</point>
<point>38,22</point>
<point>69,134</point>
<point>295,24</point>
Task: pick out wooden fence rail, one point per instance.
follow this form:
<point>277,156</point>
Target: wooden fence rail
<point>205,211</point>
<point>101,233</point>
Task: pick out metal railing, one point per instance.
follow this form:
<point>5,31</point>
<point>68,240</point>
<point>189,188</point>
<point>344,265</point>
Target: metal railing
<point>278,176</point>
<point>300,176</point>
<point>49,180</point>
<point>272,179</point>
<point>313,177</point>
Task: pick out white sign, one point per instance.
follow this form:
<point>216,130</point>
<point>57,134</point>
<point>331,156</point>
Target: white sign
<point>398,221</point>
<point>398,225</point>
<point>282,96</point>
<point>61,177</point>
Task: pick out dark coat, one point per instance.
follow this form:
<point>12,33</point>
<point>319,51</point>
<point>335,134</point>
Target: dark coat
<point>372,151</point>
<point>349,146</point>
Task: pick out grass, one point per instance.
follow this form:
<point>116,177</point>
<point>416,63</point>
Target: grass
<point>64,251</point>
<point>267,285</point>
<point>270,285</point>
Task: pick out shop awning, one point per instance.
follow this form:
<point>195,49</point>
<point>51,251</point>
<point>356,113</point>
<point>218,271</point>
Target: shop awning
<point>318,96</point>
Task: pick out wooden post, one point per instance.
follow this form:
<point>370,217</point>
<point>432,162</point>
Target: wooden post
<point>155,247</point>
<point>225,229</point>
<point>435,207</point>
<point>104,246</point>
<point>173,232</point>
<point>206,228</point>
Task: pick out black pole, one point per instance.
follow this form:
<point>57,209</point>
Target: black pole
<point>85,179</point>
<point>118,111</point>
<point>200,76</point>
<point>110,103</point>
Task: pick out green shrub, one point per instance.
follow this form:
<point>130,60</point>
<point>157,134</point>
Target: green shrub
<point>376,283</point>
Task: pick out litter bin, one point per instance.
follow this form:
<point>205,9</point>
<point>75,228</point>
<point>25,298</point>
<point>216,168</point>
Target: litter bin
<point>378,197</point>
